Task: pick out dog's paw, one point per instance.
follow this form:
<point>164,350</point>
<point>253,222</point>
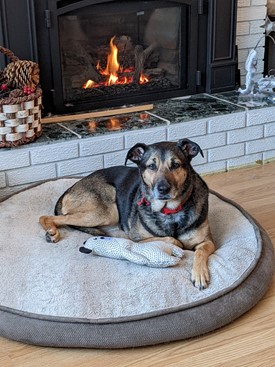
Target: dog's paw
<point>172,241</point>
<point>200,277</point>
<point>52,233</point>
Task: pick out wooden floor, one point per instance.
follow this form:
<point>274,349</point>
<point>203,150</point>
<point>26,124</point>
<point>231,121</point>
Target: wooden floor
<point>248,341</point>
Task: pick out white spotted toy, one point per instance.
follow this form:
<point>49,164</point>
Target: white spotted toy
<point>155,254</point>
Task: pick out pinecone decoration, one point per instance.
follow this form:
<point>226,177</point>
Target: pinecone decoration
<point>2,78</point>
<point>20,73</point>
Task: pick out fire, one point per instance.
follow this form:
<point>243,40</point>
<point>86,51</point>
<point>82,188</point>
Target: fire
<point>113,124</point>
<point>92,126</point>
<point>89,84</point>
<point>112,79</point>
<point>112,63</point>
<point>143,79</point>
<point>114,71</point>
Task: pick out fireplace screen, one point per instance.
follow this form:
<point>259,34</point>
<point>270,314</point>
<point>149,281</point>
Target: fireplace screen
<point>123,50</point>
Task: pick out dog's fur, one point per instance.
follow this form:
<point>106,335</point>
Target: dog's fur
<point>133,200</point>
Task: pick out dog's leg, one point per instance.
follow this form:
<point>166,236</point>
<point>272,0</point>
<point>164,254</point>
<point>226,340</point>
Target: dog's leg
<point>167,239</point>
<point>50,224</point>
<point>200,271</point>
<point>78,219</point>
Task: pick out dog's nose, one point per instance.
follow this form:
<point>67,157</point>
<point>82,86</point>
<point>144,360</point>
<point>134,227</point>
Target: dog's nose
<point>163,188</point>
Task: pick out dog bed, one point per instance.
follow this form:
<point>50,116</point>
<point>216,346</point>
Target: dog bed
<point>54,295</point>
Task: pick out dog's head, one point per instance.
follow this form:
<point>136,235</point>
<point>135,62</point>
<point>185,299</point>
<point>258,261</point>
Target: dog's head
<point>164,166</point>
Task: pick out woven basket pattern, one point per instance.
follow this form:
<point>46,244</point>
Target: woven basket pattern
<point>20,123</point>
<point>20,115</point>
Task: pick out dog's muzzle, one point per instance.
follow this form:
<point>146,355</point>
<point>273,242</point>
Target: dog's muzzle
<point>162,190</point>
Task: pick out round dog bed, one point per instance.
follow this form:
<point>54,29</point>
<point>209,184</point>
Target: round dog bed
<point>54,295</point>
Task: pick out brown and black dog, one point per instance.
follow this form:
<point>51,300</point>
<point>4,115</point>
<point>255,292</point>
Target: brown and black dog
<point>163,198</point>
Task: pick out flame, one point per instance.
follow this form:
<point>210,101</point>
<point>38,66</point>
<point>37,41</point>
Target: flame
<point>97,65</point>
<point>112,79</point>
<point>143,79</point>
<point>112,63</point>
<point>113,124</point>
<point>89,84</point>
<point>92,126</point>
<point>112,70</point>
<point>143,116</point>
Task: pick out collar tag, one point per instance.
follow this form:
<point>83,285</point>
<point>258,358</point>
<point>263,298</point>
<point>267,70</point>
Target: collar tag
<point>166,211</point>
<point>143,201</point>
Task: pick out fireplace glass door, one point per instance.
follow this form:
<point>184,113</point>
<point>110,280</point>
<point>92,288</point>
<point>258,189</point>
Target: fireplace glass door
<point>123,51</point>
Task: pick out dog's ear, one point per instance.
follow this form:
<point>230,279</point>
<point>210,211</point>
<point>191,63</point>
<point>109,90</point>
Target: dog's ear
<point>189,148</point>
<point>135,154</point>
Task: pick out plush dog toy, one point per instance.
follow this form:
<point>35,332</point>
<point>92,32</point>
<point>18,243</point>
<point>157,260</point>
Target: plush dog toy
<point>155,254</point>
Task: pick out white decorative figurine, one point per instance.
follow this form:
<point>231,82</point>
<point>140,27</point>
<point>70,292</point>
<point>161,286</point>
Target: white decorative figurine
<point>266,85</point>
<point>251,69</point>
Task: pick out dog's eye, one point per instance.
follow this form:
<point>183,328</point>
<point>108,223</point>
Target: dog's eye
<point>175,165</point>
<point>152,166</point>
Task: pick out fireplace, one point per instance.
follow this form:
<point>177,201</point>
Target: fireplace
<point>105,53</point>
<point>122,52</point>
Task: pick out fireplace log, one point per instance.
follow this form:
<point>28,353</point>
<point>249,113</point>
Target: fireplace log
<point>154,72</point>
<point>141,56</point>
<point>79,62</point>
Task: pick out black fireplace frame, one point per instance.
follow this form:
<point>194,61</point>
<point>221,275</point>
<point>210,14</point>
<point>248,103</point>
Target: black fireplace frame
<point>130,99</point>
<point>30,33</point>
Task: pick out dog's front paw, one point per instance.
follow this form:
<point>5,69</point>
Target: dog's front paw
<point>172,241</point>
<point>200,276</point>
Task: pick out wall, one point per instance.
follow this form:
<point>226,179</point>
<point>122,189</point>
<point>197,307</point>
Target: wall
<point>250,16</point>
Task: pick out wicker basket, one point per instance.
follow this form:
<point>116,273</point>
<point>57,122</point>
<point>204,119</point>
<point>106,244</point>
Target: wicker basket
<point>20,115</point>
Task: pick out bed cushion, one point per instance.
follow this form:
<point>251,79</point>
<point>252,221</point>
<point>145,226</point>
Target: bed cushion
<point>54,295</point>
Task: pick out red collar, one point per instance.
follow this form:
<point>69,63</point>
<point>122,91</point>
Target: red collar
<point>167,211</point>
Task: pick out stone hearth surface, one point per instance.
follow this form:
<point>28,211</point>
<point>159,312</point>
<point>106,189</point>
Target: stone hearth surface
<point>232,131</point>
<point>165,112</point>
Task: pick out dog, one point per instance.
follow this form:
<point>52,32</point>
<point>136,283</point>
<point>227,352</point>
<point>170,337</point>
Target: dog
<point>163,198</point>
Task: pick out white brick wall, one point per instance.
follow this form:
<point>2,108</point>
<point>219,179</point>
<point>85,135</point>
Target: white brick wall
<point>115,159</point>
<point>240,135</point>
<point>147,136</point>
<point>260,145</point>
<point>269,129</point>
<point>15,159</point>
<point>269,155</point>
<point>232,122</point>
<point>226,152</point>
<point>250,16</point>
<point>244,160</point>
<point>189,128</point>
<point>79,165</point>
<point>54,153</point>
<point>100,145</point>
<point>228,141</point>
<point>30,174</point>
<point>256,117</point>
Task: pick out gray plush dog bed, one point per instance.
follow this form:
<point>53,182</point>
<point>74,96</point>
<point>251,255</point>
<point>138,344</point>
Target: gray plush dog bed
<point>53,295</point>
